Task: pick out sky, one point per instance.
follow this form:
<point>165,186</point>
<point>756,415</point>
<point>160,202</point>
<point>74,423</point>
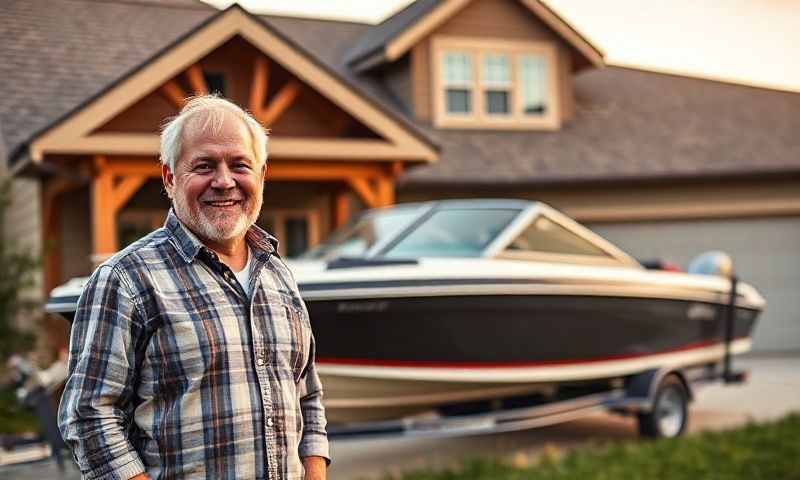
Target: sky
<point>755,42</point>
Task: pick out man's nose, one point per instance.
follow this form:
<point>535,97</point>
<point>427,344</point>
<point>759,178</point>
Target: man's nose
<point>222,177</point>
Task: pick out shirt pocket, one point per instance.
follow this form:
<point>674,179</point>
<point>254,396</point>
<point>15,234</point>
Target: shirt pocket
<point>291,336</point>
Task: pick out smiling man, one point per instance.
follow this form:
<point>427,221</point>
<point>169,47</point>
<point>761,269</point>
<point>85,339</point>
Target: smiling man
<point>191,353</point>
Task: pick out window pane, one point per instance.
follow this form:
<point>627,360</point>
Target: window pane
<point>545,236</point>
<point>496,70</point>
<point>496,102</point>
<point>458,101</point>
<point>356,239</point>
<point>457,69</point>
<point>215,82</point>
<point>533,84</point>
<point>296,236</point>
<point>454,233</point>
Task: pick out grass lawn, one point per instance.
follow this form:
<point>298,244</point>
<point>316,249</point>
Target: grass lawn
<point>767,451</point>
<point>14,418</point>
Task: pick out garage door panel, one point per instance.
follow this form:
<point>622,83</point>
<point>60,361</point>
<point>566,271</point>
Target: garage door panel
<point>765,253</point>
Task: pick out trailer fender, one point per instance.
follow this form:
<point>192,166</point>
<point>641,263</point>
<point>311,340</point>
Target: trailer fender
<point>641,388</point>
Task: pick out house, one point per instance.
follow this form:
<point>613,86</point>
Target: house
<point>446,98</point>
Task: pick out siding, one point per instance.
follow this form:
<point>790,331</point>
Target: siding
<point>23,225</point>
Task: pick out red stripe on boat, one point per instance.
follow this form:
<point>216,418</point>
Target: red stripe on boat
<point>437,364</point>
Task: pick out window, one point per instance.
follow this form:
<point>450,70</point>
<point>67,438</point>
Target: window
<point>494,84</point>
<point>453,233</point>
<point>458,82</point>
<point>548,237</point>
<point>296,230</point>
<point>215,82</point>
<point>533,84</point>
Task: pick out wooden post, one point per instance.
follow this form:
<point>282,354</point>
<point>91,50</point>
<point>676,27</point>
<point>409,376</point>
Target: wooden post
<point>51,231</point>
<point>340,209</point>
<point>385,191</point>
<point>104,232</point>
<point>51,246</point>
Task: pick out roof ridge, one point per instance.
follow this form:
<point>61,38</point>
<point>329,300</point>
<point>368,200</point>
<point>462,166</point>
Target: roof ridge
<point>288,16</point>
<point>701,77</point>
<point>174,4</point>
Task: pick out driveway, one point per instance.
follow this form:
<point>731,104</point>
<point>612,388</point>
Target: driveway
<point>772,391</point>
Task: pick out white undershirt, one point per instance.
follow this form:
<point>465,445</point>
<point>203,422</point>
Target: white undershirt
<point>243,276</point>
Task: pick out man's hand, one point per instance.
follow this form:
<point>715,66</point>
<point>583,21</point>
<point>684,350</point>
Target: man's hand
<point>316,468</point>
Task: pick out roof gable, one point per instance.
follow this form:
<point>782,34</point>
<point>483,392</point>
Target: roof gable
<point>392,38</point>
<point>183,53</point>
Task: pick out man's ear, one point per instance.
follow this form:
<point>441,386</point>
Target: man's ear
<point>168,178</point>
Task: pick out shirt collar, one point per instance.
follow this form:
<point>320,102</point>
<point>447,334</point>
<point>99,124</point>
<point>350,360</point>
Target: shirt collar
<point>262,243</point>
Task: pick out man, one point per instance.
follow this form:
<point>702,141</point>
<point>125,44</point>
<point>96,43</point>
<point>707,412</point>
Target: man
<point>191,354</point>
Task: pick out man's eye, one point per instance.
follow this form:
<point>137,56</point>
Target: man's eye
<point>202,167</point>
<point>241,166</point>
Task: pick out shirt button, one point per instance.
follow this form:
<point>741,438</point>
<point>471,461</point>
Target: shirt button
<point>269,422</point>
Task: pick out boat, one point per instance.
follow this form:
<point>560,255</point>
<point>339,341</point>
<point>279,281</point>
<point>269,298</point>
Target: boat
<point>426,307</point>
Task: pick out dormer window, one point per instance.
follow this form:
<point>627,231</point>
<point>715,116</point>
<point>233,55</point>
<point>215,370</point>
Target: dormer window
<point>494,84</point>
<point>458,83</point>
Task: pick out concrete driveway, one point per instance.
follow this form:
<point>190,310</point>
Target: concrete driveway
<point>772,391</point>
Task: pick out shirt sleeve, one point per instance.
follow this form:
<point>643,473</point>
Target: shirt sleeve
<point>315,437</point>
<point>96,408</point>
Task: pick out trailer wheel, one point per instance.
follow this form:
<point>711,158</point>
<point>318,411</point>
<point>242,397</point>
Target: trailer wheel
<point>670,413</point>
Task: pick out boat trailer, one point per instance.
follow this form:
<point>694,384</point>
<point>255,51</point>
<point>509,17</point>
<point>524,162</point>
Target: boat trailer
<point>659,399</point>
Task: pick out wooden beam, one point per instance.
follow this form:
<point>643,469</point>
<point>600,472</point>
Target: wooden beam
<point>280,102</point>
<point>320,171</point>
<point>340,209</point>
<point>104,231</point>
<point>173,93</point>
<point>147,144</point>
<point>125,189</point>
<point>196,80</point>
<point>363,189</point>
<point>259,85</point>
<point>396,169</point>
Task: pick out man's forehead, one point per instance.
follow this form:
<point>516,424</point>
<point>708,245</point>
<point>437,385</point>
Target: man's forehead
<point>219,124</point>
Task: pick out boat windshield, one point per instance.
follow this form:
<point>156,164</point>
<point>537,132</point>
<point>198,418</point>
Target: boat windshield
<point>453,232</point>
<point>356,239</point>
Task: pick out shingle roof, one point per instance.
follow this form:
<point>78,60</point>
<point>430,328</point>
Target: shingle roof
<point>54,55</point>
<point>376,37</point>
<point>633,124</point>
<point>630,123</point>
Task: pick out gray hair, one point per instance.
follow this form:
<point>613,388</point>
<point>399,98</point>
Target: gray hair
<point>213,111</point>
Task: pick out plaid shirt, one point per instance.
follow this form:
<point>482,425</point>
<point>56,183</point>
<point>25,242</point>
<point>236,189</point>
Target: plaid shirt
<point>176,372</point>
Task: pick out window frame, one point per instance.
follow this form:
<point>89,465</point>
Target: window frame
<point>279,216</point>
<point>478,48</point>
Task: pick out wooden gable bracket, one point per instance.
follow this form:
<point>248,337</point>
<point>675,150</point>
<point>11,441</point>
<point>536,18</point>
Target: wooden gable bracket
<point>174,93</point>
<point>110,192</point>
<point>81,132</point>
<point>280,102</point>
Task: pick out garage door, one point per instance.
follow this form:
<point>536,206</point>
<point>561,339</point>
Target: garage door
<point>765,252</point>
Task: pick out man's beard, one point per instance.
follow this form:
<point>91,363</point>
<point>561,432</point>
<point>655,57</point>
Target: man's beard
<point>225,228</point>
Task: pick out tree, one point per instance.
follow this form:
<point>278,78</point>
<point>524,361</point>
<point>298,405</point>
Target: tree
<point>18,267</point>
